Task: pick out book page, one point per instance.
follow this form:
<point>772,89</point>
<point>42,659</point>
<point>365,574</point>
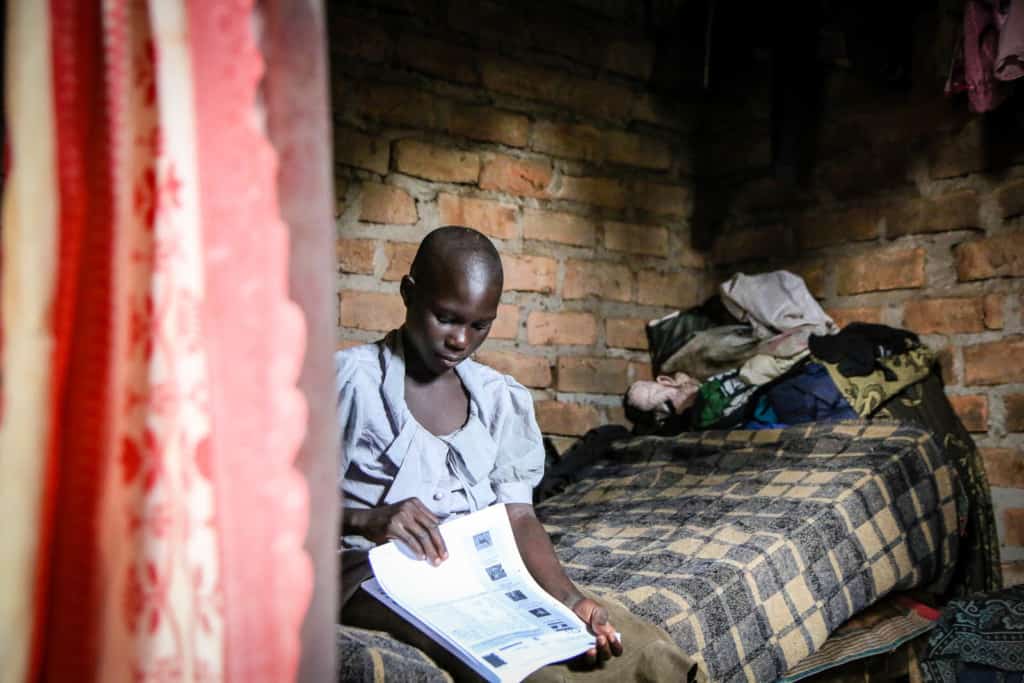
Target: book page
<point>481,602</point>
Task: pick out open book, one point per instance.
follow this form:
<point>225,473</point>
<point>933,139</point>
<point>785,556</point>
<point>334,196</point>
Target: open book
<point>481,603</point>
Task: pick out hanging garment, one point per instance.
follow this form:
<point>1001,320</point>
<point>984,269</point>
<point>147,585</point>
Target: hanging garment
<point>713,351</point>
<point>159,464</point>
<point>990,53</point>
<point>774,302</point>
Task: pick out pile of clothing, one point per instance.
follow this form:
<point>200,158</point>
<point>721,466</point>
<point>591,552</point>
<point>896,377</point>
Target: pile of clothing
<point>763,354</point>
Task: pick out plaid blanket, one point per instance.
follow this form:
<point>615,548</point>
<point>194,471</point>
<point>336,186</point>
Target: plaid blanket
<point>749,548</point>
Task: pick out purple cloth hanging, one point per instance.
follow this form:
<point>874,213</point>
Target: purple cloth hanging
<point>990,52</point>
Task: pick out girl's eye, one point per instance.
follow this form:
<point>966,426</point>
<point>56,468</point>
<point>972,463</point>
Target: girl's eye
<point>445,320</point>
<point>481,326</point>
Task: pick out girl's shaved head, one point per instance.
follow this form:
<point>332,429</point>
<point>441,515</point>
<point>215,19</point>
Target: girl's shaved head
<point>455,248</point>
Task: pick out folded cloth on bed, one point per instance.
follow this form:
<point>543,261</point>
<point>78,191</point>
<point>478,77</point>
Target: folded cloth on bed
<point>749,548</point>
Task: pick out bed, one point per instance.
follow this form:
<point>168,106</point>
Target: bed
<point>806,553</point>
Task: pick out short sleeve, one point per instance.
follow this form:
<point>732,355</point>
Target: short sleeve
<point>519,465</point>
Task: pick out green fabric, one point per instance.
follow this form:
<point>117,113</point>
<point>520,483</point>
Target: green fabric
<point>925,404</point>
<point>866,393</point>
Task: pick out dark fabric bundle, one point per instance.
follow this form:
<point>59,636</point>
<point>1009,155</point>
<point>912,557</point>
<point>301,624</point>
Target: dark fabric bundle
<point>857,348</point>
<point>667,335</point>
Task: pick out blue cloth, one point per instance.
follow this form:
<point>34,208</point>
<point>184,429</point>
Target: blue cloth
<point>809,395</point>
<point>764,417</point>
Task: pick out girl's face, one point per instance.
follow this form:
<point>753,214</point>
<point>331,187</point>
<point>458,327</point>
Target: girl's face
<point>448,319</point>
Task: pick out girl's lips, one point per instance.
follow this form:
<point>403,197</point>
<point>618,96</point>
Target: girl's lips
<point>449,360</point>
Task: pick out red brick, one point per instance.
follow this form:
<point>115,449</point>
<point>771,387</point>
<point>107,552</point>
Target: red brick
<point>399,256</point>
<point>1014,406</point>
<point>1010,198</point>
<point>947,366</point>
<point>751,244</point>
<point>1013,573</point>
<point>679,290</point>
<point>657,198</point>
<point>353,148</point>
<point>998,362</point>
<point>973,411</point>
<point>640,151</point>
<point>557,226</point>
<point>607,192</point>
<point>490,125</point>
<point>993,305</point>
<point>573,141</point>
<point>845,316</point>
<point>596,98</point>
<point>355,256</point>
<point>529,273</point>
<point>637,239</point>
<point>597,278</point>
<point>516,176</point>
<point>626,333</point>
<point>1004,467</point>
<point>953,211</point>
<point>397,105</point>
<point>640,372</point>
<point>617,416</point>
<point>359,38</point>
<point>371,310</point>
<point>531,371</point>
<point>438,58</point>
<point>544,328</point>
<point>1013,526</point>
<point>592,375</point>
<point>962,153</point>
<point>432,162</point>
<point>999,256</point>
<point>662,111</point>
<point>688,257</point>
<point>945,316</point>
<point>882,270</point>
<point>491,218</point>
<point>852,225</point>
<point>387,204</point>
<point>507,324</point>
<point>631,57</point>
<point>813,275</point>
<point>557,417</point>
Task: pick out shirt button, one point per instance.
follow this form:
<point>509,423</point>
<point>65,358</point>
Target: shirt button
<point>438,496</point>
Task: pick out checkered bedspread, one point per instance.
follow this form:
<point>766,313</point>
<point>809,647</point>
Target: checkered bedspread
<point>749,548</point>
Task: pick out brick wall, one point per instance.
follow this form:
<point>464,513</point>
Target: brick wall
<point>912,216</point>
<point>538,126</point>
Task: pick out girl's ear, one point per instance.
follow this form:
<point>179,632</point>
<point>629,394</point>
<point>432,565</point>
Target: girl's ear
<point>407,288</point>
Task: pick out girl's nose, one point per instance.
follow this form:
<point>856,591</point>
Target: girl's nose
<point>457,339</point>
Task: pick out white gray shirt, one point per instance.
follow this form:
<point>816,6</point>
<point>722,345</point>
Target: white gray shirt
<point>387,456</point>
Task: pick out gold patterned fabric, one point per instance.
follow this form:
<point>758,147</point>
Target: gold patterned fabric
<point>867,392</point>
<point>749,548</point>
